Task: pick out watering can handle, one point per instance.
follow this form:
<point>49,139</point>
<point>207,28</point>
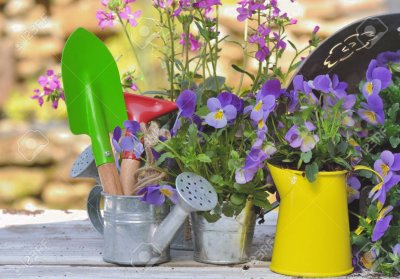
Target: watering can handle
<point>93,208</point>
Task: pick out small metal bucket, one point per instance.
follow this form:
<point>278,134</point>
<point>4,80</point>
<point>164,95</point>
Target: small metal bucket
<point>183,237</point>
<point>226,241</point>
<point>127,227</point>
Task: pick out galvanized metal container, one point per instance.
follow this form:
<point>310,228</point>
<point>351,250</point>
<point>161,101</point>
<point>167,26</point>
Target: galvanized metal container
<point>128,228</point>
<point>227,241</point>
<point>183,237</point>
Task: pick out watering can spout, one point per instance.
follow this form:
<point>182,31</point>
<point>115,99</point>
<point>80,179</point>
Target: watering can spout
<point>195,194</point>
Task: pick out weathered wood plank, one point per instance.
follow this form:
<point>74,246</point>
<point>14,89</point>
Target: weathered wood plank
<point>57,237</point>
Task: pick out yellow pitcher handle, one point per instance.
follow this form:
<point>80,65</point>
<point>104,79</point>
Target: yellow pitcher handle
<point>360,229</point>
<point>361,167</point>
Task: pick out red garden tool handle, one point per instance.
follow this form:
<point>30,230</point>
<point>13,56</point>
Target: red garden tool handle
<point>142,109</point>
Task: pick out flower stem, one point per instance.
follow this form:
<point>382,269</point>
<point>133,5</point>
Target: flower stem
<point>172,58</point>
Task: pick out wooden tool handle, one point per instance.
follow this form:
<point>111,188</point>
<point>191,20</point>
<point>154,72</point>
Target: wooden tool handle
<point>109,179</point>
<point>128,180</point>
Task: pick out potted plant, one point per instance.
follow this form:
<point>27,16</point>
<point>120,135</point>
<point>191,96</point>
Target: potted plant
<point>219,131</point>
<point>376,242</point>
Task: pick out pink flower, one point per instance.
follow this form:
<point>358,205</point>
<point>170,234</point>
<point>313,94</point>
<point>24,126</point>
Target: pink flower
<point>105,19</point>
<point>129,16</point>
<point>49,82</point>
<point>38,96</point>
<point>193,42</point>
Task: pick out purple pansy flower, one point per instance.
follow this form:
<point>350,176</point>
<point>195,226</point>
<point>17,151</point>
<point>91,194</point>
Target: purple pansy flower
<point>155,194</point>
<point>387,164</point>
<point>227,98</point>
<point>372,111</point>
<point>132,126</point>
<point>375,72</point>
<point>193,42</point>
<point>219,115</point>
<point>272,87</point>
<point>372,87</point>
<point>186,103</point>
<point>254,161</point>
<point>396,250</point>
<point>389,56</point>
<point>303,139</point>
<point>265,101</point>
<point>105,19</point>
<point>130,16</point>
<point>382,223</point>
<point>353,188</point>
<point>132,143</point>
<point>115,139</point>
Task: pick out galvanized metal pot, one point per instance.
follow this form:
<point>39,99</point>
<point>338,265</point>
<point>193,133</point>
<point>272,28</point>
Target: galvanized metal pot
<point>227,241</point>
<point>183,237</point>
<point>127,227</point>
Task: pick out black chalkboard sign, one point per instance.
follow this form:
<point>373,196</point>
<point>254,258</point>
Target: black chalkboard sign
<point>348,52</point>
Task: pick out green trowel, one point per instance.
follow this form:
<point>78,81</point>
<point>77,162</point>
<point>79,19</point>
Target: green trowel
<point>94,99</point>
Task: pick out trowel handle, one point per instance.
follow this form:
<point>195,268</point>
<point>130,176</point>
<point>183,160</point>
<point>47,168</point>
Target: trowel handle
<point>93,208</point>
<point>129,165</point>
<point>168,228</point>
<point>110,179</point>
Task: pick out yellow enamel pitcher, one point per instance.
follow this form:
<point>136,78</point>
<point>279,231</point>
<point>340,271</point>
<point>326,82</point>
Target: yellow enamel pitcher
<point>313,235</point>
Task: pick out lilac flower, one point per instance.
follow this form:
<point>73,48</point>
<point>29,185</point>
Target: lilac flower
<point>372,111</point>
<point>219,115</point>
<point>105,19</point>
<point>206,4</point>
<point>293,104</point>
<point>155,194</point>
<point>227,98</point>
<point>163,3</point>
<point>316,29</point>
<point>38,96</point>
<point>247,8</point>
<point>262,54</point>
<point>193,42</point>
<point>50,81</point>
<point>186,103</point>
<point>51,89</point>
<point>130,16</point>
<point>374,72</point>
<point>382,223</point>
<point>280,43</point>
<point>254,161</point>
<point>303,139</point>
<point>353,189</point>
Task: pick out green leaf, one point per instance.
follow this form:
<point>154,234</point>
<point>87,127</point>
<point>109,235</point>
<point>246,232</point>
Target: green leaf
<point>312,171</point>
<point>209,83</point>
<point>238,199</point>
<point>394,141</point>
<point>203,158</point>
<point>306,157</point>
<point>342,162</point>
<point>165,156</point>
<point>217,180</point>
<point>372,212</point>
<point>211,218</point>
<point>392,112</point>
<point>293,45</point>
<point>240,70</point>
<point>342,147</point>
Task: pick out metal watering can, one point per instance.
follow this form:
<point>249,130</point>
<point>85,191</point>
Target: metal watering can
<point>136,233</point>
